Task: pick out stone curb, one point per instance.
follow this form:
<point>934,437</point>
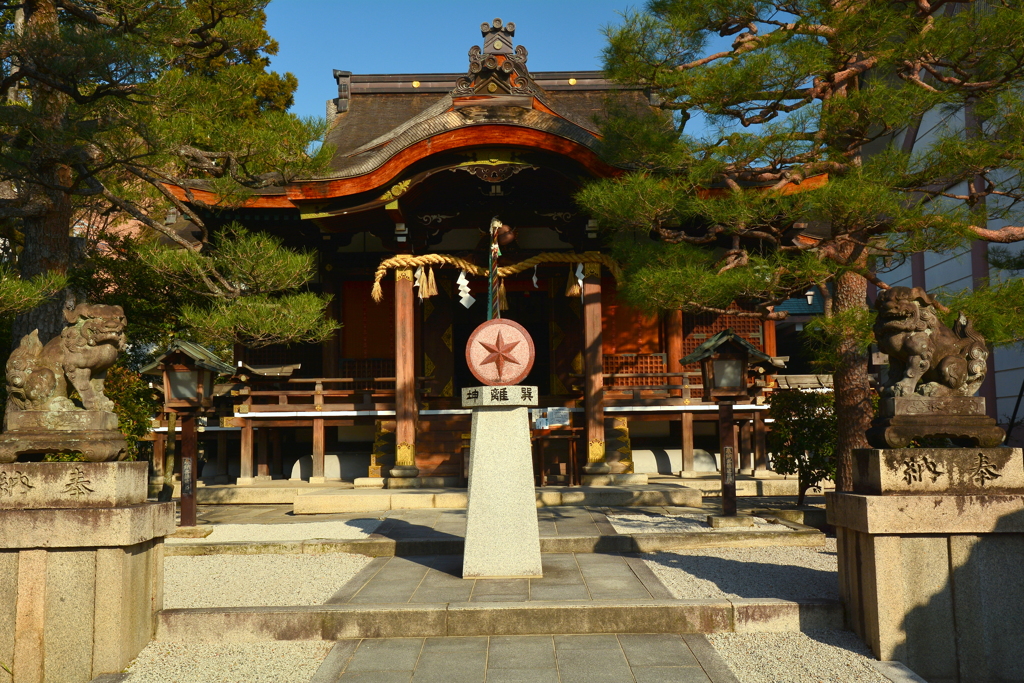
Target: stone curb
<point>380,546</point>
<point>337,622</point>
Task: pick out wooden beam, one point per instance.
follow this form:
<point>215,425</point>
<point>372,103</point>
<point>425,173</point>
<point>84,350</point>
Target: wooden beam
<point>245,466</point>
<point>262,453</point>
<point>687,445</point>
<point>593,361</point>
<point>405,375</point>
<point>674,347</point>
<point>317,477</point>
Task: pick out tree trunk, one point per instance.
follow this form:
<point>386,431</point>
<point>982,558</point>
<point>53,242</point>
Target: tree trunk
<point>47,237</point>
<point>853,393</point>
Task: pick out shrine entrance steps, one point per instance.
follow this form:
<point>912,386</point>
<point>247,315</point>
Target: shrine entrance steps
<point>593,582</point>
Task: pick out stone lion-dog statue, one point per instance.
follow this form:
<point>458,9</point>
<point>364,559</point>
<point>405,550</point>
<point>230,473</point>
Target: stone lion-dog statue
<point>38,376</point>
<point>927,358</point>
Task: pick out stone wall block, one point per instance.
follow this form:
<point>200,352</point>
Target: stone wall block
<point>70,608</point>
<point>29,639</point>
<point>8,604</point>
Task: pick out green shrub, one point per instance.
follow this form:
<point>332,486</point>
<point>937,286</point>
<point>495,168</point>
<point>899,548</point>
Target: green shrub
<point>803,436</point>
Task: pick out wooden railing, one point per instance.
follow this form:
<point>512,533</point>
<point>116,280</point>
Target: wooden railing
<point>350,394</point>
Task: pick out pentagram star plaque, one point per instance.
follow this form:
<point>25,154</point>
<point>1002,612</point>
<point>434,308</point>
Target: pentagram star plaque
<point>500,352</point>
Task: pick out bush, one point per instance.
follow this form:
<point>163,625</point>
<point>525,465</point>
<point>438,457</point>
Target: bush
<point>803,436</point>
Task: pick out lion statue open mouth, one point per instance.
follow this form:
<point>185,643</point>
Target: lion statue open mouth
<point>38,376</point>
<point>926,357</point>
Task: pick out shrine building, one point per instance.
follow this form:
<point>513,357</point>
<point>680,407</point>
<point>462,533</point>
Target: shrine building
<point>423,164</point>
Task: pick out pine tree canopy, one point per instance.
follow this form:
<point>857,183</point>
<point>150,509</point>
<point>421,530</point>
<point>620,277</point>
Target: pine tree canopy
<point>104,102</point>
<point>799,141</point>
<point>816,143</point>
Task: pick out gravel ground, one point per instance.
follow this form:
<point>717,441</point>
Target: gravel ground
<point>271,662</point>
<point>783,572</point>
<point>812,657</point>
<point>696,521</point>
<point>256,580</point>
<point>301,531</point>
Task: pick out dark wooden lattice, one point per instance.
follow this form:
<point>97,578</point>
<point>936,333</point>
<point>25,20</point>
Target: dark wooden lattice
<point>635,363</point>
<point>367,368</point>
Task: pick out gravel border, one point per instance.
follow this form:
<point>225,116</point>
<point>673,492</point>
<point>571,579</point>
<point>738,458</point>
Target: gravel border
<point>269,662</point>
<point>256,580</point>
<point>298,531</point>
<point>782,572</point>
<point>819,656</point>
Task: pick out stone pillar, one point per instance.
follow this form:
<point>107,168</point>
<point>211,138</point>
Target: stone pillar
<point>931,545</point>
<point>593,362</point>
<point>81,563</point>
<point>245,474</point>
<point>405,379</point>
<point>502,532</point>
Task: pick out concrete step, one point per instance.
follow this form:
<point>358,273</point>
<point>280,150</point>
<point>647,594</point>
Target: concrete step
<point>377,546</point>
<point>366,500</point>
<point>335,622</point>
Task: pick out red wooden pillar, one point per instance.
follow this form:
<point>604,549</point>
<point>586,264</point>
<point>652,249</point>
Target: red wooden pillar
<point>593,361</point>
<point>674,346</point>
<point>245,475</point>
<point>189,467</point>
<point>405,377</point>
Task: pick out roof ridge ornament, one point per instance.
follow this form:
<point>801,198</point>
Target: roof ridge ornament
<point>497,69</point>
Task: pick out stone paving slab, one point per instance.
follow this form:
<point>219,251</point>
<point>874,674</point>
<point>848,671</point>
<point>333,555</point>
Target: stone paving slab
<point>441,532</point>
<point>410,619</point>
<point>615,658</point>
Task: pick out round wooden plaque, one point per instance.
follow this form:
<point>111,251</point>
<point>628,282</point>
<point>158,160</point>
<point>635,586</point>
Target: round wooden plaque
<point>500,352</point>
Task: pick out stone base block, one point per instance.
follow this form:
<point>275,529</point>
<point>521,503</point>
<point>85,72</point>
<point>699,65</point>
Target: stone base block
<point>614,480</point>
<point>935,581</point>
<point>82,588</point>
<point>726,521</point>
<point>32,485</point>
<point>959,471</point>
<point>369,483</point>
<point>502,533</point>
<point>96,445</point>
<point>918,417</point>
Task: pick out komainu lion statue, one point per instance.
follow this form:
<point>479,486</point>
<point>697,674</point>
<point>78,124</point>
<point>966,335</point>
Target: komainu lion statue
<point>38,376</point>
<point>926,357</point>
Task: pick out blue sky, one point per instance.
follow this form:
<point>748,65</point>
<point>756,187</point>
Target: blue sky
<point>425,36</point>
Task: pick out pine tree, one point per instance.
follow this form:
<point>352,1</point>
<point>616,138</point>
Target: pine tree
<point>104,102</point>
<point>830,139</point>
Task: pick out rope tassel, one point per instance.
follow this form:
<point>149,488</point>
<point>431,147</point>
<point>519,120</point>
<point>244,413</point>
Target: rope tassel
<point>502,297</point>
<point>572,285</point>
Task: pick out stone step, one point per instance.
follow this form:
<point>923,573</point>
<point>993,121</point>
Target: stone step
<point>335,622</point>
<point>365,500</point>
<point>377,546</point>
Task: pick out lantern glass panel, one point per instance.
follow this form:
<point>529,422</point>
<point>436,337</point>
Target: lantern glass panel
<point>184,384</point>
<point>728,374</point>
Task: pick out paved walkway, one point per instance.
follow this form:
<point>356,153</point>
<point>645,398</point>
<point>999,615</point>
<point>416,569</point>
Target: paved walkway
<point>604,658</point>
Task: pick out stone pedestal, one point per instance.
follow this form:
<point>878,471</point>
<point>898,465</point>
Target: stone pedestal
<point>81,561</point>
<point>502,534</point>
<point>905,418</point>
<point>931,545</point>
<point>93,433</point>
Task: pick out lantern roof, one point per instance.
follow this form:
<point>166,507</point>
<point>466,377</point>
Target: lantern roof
<point>202,356</point>
<point>711,346</point>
